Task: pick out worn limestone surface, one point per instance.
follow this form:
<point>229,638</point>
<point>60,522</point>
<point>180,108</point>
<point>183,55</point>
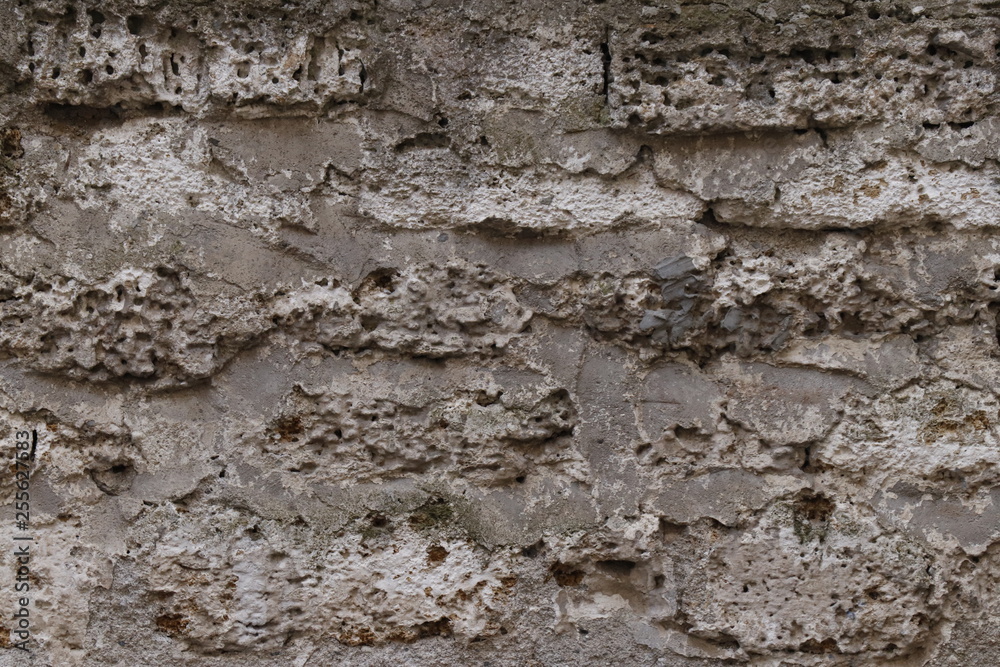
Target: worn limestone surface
<point>503,333</point>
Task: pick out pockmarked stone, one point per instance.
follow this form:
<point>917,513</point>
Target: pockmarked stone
<point>468,333</point>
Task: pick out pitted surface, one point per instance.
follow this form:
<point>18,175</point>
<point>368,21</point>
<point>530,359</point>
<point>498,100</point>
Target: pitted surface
<point>550,333</point>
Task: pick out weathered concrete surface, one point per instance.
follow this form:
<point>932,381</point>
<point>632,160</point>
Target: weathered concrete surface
<point>528,333</point>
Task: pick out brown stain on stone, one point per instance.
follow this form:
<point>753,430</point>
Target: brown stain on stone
<point>10,143</point>
<point>436,555</point>
<point>288,428</point>
<point>566,575</point>
<point>442,627</point>
<point>506,586</point>
<point>978,420</point>
<point>873,189</point>
<point>815,507</point>
<point>942,407</point>
<point>828,645</point>
<point>172,624</point>
<point>941,428</point>
<point>357,637</point>
<point>466,595</point>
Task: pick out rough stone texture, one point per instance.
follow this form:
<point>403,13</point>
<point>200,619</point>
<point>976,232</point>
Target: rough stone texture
<point>551,333</point>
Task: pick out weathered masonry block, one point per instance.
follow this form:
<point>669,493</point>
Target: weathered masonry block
<point>523,333</point>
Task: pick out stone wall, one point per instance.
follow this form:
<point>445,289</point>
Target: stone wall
<point>414,332</point>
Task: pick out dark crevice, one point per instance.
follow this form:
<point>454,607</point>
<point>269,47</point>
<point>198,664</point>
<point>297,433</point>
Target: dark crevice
<point>606,63</point>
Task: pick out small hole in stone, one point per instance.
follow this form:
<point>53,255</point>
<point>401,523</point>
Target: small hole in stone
<point>134,24</point>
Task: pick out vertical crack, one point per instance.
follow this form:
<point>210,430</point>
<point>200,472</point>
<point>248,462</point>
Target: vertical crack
<point>606,62</point>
